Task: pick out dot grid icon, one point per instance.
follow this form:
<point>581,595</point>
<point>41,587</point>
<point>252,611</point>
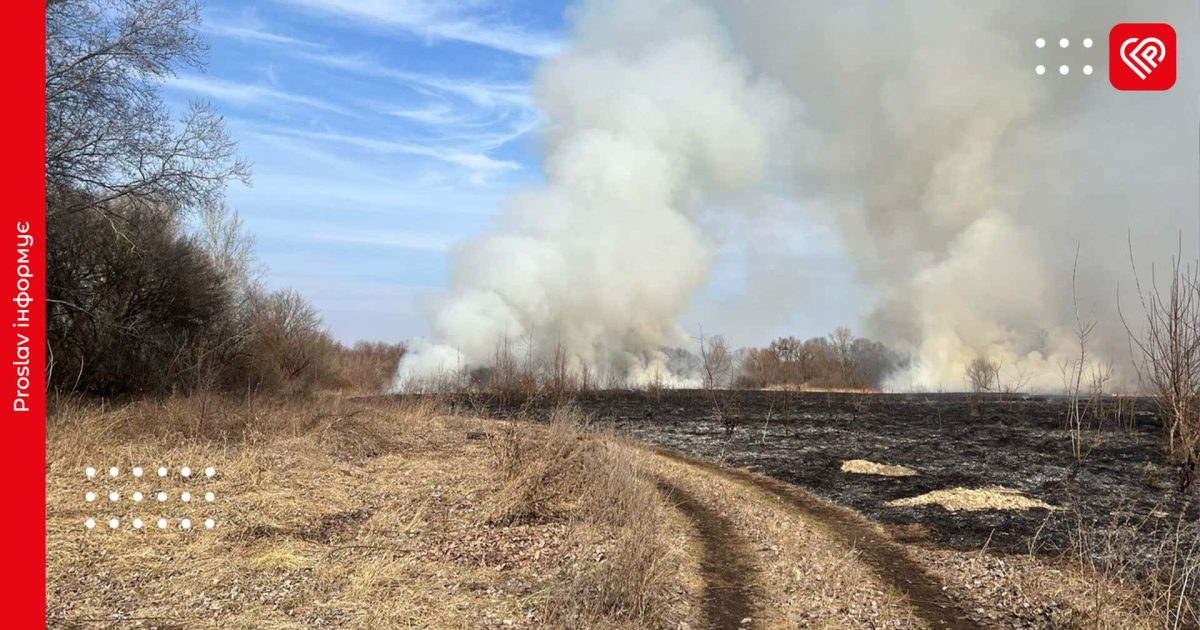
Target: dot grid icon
<point>1063,43</point>
<point>117,490</point>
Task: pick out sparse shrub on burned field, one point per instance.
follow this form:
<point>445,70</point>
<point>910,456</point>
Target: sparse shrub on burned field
<point>1168,360</point>
<point>1149,563</point>
<point>982,375</point>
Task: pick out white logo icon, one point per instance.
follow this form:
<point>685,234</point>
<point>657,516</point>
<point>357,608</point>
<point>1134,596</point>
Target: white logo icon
<point>1145,56</point>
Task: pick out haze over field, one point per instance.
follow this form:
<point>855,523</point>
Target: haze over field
<point>959,181</point>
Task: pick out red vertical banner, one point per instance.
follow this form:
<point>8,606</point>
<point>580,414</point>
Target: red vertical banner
<point>23,315</point>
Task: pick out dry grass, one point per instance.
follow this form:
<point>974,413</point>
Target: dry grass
<point>864,467</point>
<point>332,513</point>
<point>329,514</point>
<point>1148,563</point>
<point>624,558</point>
<point>975,499</point>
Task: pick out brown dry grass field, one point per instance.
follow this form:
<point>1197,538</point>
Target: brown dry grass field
<point>332,512</point>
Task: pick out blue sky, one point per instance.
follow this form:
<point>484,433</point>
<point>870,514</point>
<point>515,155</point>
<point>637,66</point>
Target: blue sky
<point>381,132</point>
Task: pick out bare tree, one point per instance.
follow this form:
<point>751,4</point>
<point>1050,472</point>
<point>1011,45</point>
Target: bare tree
<point>842,342</point>
<point>982,375</point>
<point>108,132</point>
<point>229,247</point>
<point>717,361</point>
<point>1076,369</point>
<point>287,346</point>
<point>1168,358</point>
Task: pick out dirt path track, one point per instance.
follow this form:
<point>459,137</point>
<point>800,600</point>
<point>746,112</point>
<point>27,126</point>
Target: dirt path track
<point>886,558</point>
<point>725,564</point>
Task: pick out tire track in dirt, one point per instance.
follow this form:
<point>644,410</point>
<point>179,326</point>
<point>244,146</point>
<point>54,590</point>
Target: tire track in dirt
<point>885,557</point>
<point>725,563</point>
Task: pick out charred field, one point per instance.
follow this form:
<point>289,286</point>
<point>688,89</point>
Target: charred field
<point>1021,443</point>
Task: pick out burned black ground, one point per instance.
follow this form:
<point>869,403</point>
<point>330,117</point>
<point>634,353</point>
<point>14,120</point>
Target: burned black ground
<point>952,440</point>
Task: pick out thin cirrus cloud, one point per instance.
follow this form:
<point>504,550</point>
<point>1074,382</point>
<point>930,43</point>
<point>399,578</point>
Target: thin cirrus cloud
<point>470,157</point>
<point>467,117</point>
<point>240,93</point>
<point>481,92</point>
<point>413,241</point>
<point>437,21</point>
<point>249,33</point>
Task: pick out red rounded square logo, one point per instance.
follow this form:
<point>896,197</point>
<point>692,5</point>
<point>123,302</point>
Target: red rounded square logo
<point>1141,57</point>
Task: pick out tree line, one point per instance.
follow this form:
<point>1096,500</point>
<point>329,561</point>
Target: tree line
<point>839,360</point>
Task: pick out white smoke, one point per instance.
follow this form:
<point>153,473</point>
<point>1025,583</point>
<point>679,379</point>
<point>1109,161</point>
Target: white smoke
<point>652,116</point>
<point>960,180</point>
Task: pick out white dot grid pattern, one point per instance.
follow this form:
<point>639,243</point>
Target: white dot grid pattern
<point>1063,43</point>
<point>114,496</point>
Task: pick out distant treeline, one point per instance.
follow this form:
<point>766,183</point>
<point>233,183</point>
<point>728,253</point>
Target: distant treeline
<point>837,361</point>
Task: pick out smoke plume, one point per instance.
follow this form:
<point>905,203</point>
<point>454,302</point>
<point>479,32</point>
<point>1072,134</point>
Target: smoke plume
<point>961,182</point>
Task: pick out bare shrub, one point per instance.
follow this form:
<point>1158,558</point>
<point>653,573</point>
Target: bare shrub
<point>558,381</point>
<point>982,375</point>
<point>716,361</point>
<point>622,562</point>
<point>1168,359</point>
<point>509,378</point>
<point>367,366</point>
<point>128,310</point>
<point>543,470</point>
<point>1150,564</point>
<point>1076,374</point>
<point>286,348</point>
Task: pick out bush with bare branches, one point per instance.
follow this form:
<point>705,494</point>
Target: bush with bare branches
<point>983,375</point>
<point>605,491</point>
<point>1168,359</point>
